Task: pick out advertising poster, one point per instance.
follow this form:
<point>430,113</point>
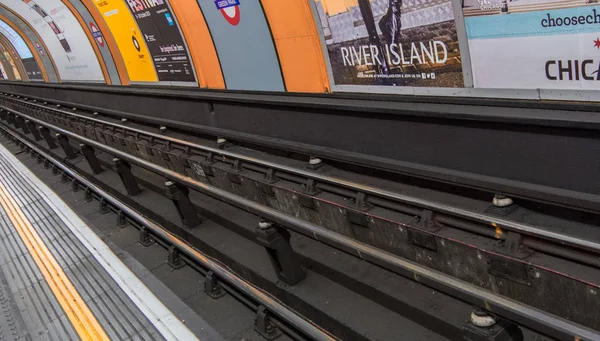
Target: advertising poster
<point>31,67</point>
<point>534,44</point>
<point>391,42</point>
<point>244,44</point>
<point>165,42</point>
<point>129,39</point>
<point>65,39</point>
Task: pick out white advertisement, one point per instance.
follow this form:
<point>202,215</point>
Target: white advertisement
<point>67,43</point>
<point>534,44</point>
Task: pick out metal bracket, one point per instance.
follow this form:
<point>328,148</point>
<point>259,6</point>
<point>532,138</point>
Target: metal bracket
<point>145,237</point>
<point>75,186</point>
<point>357,218</point>
<point>210,158</point>
<point>513,246</point>
<point>509,268</point>
<point>308,202</point>
<point>174,259</point>
<point>129,181</point>
<point>121,219</point>
<point>207,169</point>
<point>499,330</point>
<point>10,118</point>
<point>270,176</point>
<point>179,195</point>
<point>236,166</point>
<point>90,155</point>
<point>422,239</point>
<point>24,126</point>
<point>88,195</point>
<point>15,121</point>
<point>310,187</point>
<point>266,188</point>
<point>49,140</point>
<point>66,147</point>
<point>426,220</point>
<point>276,241</point>
<point>33,130</point>
<point>103,206</point>
<point>502,205</point>
<point>361,202</point>
<point>264,326</point>
<point>212,287</point>
<point>234,178</point>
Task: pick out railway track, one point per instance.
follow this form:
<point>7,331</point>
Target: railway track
<point>430,225</point>
<point>276,317</point>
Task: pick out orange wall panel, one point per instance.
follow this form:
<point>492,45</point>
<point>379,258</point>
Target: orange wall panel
<point>199,42</point>
<point>110,41</point>
<point>298,45</point>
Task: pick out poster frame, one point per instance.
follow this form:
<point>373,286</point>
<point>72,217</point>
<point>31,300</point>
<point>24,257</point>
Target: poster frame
<point>171,83</point>
<point>468,90</point>
<point>402,90</point>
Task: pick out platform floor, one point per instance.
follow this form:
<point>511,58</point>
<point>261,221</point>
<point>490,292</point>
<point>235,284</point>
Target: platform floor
<point>60,281</point>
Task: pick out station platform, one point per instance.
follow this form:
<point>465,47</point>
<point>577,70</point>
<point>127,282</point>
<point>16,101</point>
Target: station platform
<point>60,281</point>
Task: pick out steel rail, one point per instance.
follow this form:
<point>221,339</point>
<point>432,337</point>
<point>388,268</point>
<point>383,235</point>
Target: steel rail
<point>489,220</point>
<point>272,304</point>
<point>528,316</point>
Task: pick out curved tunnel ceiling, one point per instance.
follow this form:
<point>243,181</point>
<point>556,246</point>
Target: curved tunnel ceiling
<point>32,69</point>
<point>16,40</point>
<point>184,42</point>
<point>9,51</point>
<point>68,44</point>
<point>34,43</point>
<point>10,64</point>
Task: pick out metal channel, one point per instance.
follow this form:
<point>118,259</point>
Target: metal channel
<point>555,196</point>
<point>523,314</point>
<point>221,271</point>
<point>488,220</point>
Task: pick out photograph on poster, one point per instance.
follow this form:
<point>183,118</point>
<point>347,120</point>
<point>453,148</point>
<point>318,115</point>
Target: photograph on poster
<point>534,44</point>
<point>391,42</point>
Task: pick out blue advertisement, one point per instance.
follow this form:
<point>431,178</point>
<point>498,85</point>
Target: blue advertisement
<point>534,44</point>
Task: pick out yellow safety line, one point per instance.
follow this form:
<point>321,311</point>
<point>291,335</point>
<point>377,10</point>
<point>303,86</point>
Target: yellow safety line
<point>77,311</point>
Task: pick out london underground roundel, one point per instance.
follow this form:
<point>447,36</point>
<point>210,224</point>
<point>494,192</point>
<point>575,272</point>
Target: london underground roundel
<point>97,34</point>
<point>230,9</point>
